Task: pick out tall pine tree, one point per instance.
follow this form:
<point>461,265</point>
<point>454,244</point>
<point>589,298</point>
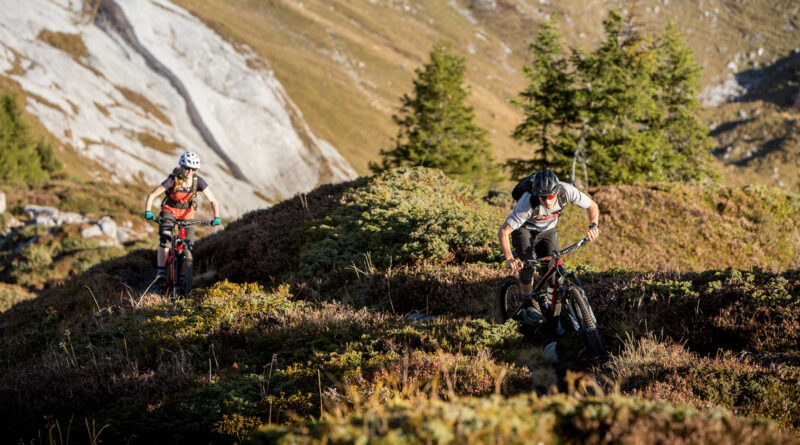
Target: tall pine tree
<point>549,107</point>
<point>437,128</point>
<point>633,99</point>
<point>679,78</point>
<point>619,107</point>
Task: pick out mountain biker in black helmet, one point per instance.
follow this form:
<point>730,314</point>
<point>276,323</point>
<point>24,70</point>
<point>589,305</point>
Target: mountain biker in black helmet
<point>181,188</point>
<point>532,223</point>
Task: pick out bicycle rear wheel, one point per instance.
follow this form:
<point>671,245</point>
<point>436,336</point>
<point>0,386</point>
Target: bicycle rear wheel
<point>587,322</point>
<point>511,302</point>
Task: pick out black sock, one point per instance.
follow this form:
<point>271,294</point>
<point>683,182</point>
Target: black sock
<point>161,270</point>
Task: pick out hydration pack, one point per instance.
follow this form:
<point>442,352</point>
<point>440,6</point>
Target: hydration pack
<point>176,173</point>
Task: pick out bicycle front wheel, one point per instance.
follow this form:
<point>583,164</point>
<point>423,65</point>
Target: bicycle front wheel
<point>187,276</point>
<point>511,302</point>
<point>587,322</point>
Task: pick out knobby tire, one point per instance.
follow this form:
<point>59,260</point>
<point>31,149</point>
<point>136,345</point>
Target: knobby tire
<point>510,299</point>
<point>187,279</point>
<point>588,325</point>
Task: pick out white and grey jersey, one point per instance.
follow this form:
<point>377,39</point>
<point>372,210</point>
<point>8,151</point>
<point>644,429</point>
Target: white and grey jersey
<point>546,219</point>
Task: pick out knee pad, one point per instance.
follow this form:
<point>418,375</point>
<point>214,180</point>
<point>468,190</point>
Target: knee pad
<point>166,239</point>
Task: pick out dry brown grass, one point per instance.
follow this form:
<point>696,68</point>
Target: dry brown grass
<point>145,104</point>
<point>70,43</point>
<point>317,51</point>
<point>158,143</point>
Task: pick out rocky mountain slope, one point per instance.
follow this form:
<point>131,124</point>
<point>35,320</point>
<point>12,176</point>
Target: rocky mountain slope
<point>131,85</point>
<point>347,63</point>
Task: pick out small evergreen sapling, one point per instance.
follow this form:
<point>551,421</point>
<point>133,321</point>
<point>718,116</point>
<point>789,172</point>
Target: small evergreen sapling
<point>437,127</point>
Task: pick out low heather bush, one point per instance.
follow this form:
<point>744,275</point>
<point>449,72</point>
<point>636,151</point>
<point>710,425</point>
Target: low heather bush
<point>525,419</point>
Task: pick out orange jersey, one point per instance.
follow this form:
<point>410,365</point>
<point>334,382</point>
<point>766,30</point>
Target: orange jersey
<point>181,195</point>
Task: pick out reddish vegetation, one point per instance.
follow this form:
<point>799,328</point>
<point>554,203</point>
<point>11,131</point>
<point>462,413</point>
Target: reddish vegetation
<point>259,246</point>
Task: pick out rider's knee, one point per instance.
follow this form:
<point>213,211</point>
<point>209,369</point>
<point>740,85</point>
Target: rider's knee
<point>526,276</point>
<point>166,239</point>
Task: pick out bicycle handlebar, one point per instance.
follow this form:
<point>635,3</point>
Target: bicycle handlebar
<point>186,222</point>
<point>560,253</point>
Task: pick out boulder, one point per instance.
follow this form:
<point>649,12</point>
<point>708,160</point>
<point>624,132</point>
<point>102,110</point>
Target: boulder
<point>92,231</point>
<point>32,211</point>
<point>41,220</point>
<point>42,214</point>
<point>71,218</point>
<point>108,226</point>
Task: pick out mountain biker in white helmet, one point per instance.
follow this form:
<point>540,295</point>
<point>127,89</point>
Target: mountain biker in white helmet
<point>532,223</point>
<point>181,187</point>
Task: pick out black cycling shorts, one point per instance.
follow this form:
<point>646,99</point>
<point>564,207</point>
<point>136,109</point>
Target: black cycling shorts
<point>531,244</point>
<point>165,226</point>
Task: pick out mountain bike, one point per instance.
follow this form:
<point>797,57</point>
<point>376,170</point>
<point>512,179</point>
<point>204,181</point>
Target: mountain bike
<point>566,292</point>
<point>179,263</point>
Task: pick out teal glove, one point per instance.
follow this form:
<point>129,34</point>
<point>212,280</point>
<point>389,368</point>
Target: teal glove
<point>149,215</point>
<point>216,222</point>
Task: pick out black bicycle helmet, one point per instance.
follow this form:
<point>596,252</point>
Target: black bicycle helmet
<point>545,183</point>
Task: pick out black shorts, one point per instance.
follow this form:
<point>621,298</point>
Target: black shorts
<point>530,244</point>
<point>165,226</point>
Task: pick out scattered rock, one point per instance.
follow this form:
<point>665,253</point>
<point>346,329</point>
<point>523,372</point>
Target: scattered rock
<point>484,5</point>
<point>71,218</point>
<point>108,226</point>
<point>34,211</point>
<point>92,231</point>
<point>42,220</point>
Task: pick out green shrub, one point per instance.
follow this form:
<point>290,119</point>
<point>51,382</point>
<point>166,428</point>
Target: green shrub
<point>404,216</point>
<point>750,391</point>
<point>524,419</point>
<point>11,294</point>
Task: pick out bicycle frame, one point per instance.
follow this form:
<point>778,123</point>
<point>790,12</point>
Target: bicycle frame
<point>179,257</point>
<point>552,308</point>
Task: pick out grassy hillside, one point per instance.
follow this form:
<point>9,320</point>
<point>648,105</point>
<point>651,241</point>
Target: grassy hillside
<point>756,136</point>
<point>325,331</point>
<point>347,64</point>
<point>37,257</point>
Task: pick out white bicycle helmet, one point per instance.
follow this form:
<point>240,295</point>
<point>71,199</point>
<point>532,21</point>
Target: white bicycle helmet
<point>190,159</point>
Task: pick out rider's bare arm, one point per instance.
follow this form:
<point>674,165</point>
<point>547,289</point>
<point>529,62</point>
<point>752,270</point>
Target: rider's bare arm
<point>514,263</point>
<point>156,191</point>
<point>212,200</point>
<point>593,212</point>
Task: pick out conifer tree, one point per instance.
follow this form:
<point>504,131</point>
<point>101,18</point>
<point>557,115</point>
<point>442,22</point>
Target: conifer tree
<point>19,158</point>
<point>549,106</point>
<point>634,101</point>
<point>679,79</point>
<point>437,128</point>
<point>619,107</point>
